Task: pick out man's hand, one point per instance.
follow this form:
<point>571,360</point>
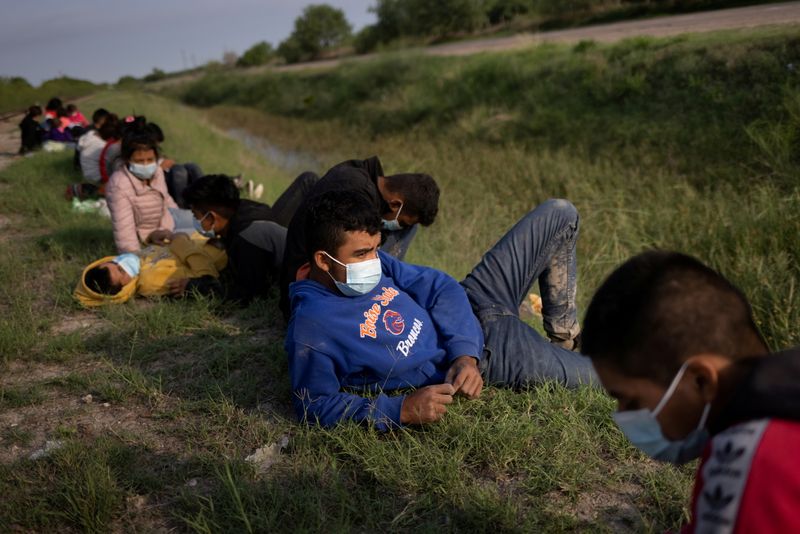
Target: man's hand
<point>465,377</point>
<point>167,164</point>
<point>426,405</point>
<point>160,237</point>
<point>177,287</point>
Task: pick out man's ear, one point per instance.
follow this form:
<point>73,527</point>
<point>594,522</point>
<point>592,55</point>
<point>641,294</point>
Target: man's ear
<point>395,204</point>
<point>321,261</point>
<point>703,371</point>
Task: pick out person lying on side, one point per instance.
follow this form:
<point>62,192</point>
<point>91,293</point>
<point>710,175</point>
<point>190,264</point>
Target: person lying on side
<point>365,323</point>
<point>184,266</point>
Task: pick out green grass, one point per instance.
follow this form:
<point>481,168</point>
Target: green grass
<point>207,385</point>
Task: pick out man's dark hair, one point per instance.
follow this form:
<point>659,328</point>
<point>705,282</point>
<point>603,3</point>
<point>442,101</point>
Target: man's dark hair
<point>420,195</point>
<point>216,192</point>
<point>34,111</point>
<point>100,113</point>
<point>332,214</point>
<point>71,108</point>
<point>660,308</point>
<point>98,279</point>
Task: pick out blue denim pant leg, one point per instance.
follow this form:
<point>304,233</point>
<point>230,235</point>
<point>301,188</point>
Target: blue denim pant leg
<point>541,246</point>
<point>396,243</point>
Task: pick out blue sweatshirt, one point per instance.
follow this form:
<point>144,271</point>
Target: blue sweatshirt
<point>405,333</point>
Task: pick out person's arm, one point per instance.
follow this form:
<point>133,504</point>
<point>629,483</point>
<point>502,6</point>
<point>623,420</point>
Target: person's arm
<point>317,397</point>
<point>446,303</point>
<point>122,218</point>
<point>193,255</point>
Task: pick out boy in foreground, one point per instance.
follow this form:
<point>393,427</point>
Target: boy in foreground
<point>364,322</point>
<point>675,343</point>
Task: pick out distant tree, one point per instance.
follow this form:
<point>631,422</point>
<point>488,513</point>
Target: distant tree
<point>499,11</point>
<point>155,75</point>
<point>127,81</point>
<point>320,28</point>
<point>258,54</point>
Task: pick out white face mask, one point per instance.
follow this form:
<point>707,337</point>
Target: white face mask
<point>362,277</point>
<point>642,429</point>
<point>198,226</point>
<point>130,263</point>
<point>143,172</point>
<point>394,224</point>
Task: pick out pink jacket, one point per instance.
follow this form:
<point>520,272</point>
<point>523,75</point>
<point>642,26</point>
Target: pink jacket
<point>137,208</point>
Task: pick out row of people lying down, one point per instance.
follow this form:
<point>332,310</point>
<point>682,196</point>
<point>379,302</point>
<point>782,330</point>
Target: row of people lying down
<point>374,340</point>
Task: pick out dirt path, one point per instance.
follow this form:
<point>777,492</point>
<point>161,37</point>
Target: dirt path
<point>9,139</point>
<point>706,21</point>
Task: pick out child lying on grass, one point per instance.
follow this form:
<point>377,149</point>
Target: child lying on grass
<point>675,343</point>
<point>183,266</point>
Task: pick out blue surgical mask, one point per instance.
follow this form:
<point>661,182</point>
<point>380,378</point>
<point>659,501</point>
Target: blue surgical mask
<point>198,226</point>
<point>394,224</point>
<point>143,172</point>
<point>362,277</point>
<point>130,263</point>
<point>642,429</point>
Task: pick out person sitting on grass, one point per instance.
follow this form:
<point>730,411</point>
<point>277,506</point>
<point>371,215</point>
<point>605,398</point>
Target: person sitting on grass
<point>403,201</point>
<point>364,322</point>
<point>89,147</point>
<point>253,241</point>
<point>31,131</point>
<point>183,267</point>
<point>137,196</point>
<point>676,344</point>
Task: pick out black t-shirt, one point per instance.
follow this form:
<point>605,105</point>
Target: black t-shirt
<point>358,176</point>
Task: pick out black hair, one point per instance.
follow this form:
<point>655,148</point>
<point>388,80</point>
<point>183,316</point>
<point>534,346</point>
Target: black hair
<point>332,214</point>
<point>98,279</point>
<point>420,195</point>
<point>34,111</point>
<point>110,128</point>
<point>71,108</point>
<point>54,104</point>
<point>99,114</point>
<point>216,192</point>
<point>61,112</point>
<point>133,142</point>
<point>660,308</point>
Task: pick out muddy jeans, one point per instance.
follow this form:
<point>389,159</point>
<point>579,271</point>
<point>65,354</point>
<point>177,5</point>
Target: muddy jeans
<point>541,246</point>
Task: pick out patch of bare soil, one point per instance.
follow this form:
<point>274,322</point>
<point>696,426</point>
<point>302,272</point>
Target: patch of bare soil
<point>9,140</point>
<point>613,507</point>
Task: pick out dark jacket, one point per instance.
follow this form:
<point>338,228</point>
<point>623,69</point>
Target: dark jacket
<point>771,388</point>
<point>358,176</point>
<point>30,133</point>
<point>255,244</point>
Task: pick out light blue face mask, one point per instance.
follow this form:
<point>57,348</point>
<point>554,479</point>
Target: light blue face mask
<point>394,224</point>
<point>198,226</point>
<point>642,429</point>
<point>130,263</point>
<point>143,172</point>
<point>362,277</point>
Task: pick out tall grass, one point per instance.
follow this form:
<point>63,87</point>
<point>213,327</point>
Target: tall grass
<point>684,103</point>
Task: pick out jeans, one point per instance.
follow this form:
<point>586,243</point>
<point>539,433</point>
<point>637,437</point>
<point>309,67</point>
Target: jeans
<point>178,178</point>
<point>541,246</point>
<point>396,243</point>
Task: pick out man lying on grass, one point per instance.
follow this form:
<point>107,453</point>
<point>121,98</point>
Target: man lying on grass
<point>675,343</point>
<point>363,322</point>
<point>182,267</point>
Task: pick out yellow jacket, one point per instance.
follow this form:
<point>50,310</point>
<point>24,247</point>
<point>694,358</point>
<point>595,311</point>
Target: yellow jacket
<point>183,258</point>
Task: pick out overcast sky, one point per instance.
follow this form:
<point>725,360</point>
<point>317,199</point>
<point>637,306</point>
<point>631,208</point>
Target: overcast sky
<point>101,40</point>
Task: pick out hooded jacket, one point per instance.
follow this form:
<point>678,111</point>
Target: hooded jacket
<point>138,207</point>
<point>405,333</point>
<point>183,258</point>
<point>255,245</point>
